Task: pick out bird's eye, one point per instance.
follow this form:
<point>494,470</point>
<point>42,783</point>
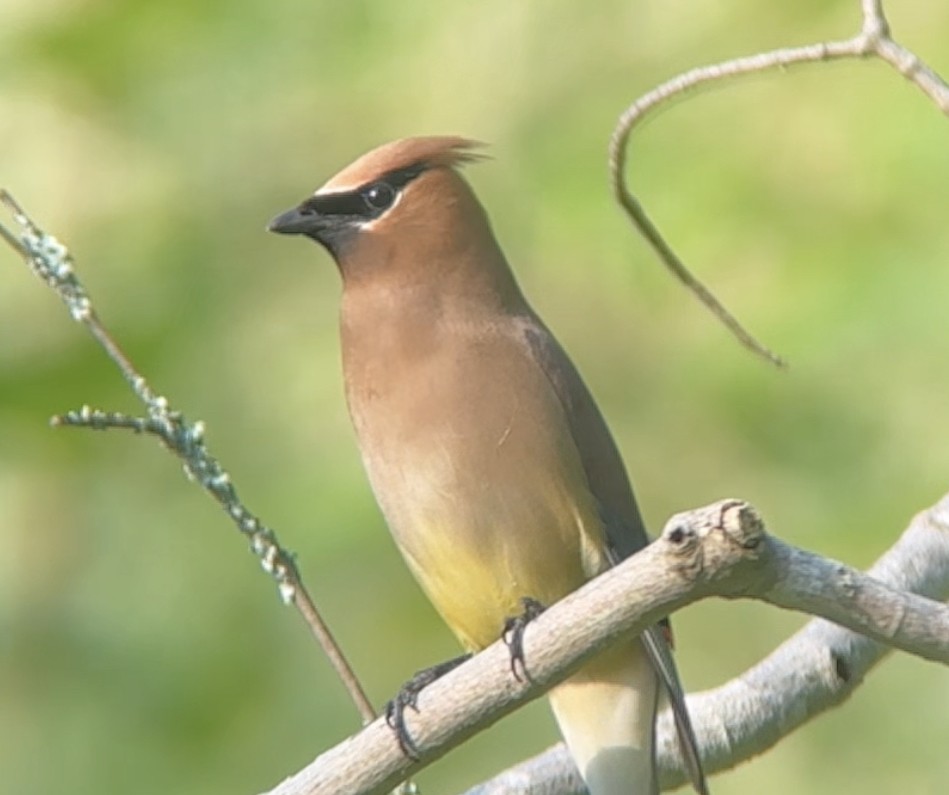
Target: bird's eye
<point>379,196</point>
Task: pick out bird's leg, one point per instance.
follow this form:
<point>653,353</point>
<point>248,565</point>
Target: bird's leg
<point>513,636</point>
<point>408,697</point>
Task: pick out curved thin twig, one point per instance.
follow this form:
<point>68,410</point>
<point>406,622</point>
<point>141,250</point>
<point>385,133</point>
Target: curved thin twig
<point>873,40</point>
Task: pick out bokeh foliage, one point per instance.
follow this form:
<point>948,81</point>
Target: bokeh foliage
<point>140,648</point>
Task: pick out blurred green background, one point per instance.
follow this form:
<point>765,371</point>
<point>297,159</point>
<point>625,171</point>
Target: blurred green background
<point>141,649</point>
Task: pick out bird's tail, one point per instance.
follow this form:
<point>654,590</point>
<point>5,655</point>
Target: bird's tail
<point>660,654</point>
<point>607,714</point>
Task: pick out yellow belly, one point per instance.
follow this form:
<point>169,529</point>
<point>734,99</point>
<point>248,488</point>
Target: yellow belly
<point>471,458</point>
<point>477,562</point>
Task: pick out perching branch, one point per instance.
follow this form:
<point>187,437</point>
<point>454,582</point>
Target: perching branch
<point>873,40</point>
<point>51,261</point>
<point>815,670</point>
<point>721,550</point>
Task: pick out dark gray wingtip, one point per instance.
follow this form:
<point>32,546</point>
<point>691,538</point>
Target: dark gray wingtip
<point>661,656</point>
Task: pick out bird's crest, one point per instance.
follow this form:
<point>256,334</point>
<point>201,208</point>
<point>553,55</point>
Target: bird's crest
<point>424,153</point>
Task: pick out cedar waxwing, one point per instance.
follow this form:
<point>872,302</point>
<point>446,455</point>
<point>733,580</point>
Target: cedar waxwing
<point>490,460</point>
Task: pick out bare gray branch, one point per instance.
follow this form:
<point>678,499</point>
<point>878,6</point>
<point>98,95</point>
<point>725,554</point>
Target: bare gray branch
<point>721,550</point>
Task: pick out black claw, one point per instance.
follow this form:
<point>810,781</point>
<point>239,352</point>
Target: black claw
<point>408,697</point>
<point>513,636</point>
<point>395,717</point>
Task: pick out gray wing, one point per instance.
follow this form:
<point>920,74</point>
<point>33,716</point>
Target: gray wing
<point>606,474</point>
<point>609,484</point>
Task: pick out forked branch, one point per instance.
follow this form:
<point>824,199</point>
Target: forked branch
<point>721,550</point>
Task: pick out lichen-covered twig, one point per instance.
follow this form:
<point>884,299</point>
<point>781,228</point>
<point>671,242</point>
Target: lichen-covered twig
<point>51,261</point>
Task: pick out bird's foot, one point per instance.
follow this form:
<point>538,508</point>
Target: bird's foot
<point>408,697</point>
<point>513,636</point>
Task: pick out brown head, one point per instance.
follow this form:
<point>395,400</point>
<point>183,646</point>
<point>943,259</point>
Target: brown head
<point>402,214</point>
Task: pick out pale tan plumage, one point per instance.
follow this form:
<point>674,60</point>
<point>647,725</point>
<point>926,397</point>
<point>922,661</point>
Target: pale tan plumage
<point>492,464</point>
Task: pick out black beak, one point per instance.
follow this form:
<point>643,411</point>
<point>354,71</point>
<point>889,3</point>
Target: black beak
<point>320,219</point>
<point>298,221</point>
